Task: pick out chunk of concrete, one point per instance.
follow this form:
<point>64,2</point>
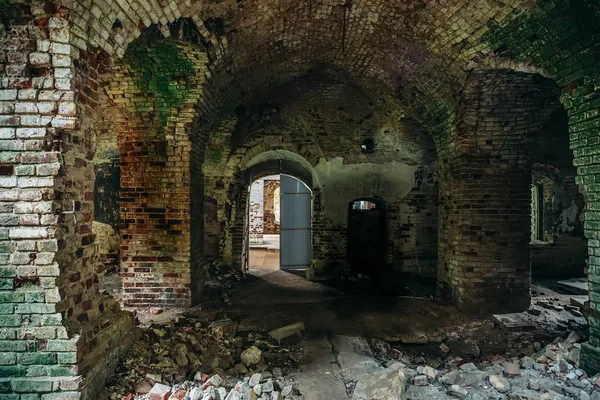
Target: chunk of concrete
<point>251,356</point>
<point>389,383</point>
<point>287,334</point>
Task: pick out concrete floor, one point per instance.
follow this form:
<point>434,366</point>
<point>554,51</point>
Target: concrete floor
<point>265,256</point>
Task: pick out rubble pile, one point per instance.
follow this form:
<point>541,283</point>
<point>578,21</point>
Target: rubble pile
<point>265,386</point>
<point>221,279</point>
<point>548,372</point>
<point>208,361</point>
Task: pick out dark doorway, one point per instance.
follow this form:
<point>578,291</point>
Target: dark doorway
<point>367,236</point>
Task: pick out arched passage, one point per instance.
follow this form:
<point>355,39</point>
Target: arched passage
<point>298,183</point>
<point>56,54</point>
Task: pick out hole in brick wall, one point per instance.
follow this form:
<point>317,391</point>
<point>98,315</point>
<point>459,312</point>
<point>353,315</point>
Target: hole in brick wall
<point>117,24</point>
<point>26,282</point>
<point>6,170</point>
<point>215,26</point>
<point>368,146</point>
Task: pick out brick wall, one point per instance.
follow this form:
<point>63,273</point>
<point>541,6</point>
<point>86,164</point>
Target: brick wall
<point>270,224</point>
<point>155,162</point>
<point>56,327</point>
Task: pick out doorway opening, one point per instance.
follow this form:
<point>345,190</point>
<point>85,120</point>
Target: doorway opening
<point>279,224</point>
<point>367,236</point>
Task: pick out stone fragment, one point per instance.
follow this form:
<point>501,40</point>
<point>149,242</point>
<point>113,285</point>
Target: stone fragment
<point>451,378</point>
<point>287,390</point>
<point>254,380</point>
<point>445,349</point>
<point>511,369</point>
<point>430,372</point>
<point>420,380</point>
<point>160,392</point>
<point>527,362</point>
<point>387,384</point>
<point>251,356</point>
<point>468,367</point>
<point>288,333</point>
<point>180,355</point>
<point>195,394</point>
<point>240,368</point>
<point>143,388</point>
<point>533,384</point>
<point>268,386</point>
<point>457,391</point>
<point>572,339</point>
<point>214,381</point>
<point>499,383</point>
<point>234,395</point>
<point>524,394</point>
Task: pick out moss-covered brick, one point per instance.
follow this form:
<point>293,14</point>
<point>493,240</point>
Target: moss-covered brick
<point>37,358</point>
<point>32,385</point>
<point>30,396</point>
<point>37,370</point>
<point>9,397</point>
<point>35,297</point>
<point>62,345</point>
<point>7,308</point>
<point>9,371</point>
<point>4,386</point>
<point>10,320</point>
<point>67,358</point>
<point>12,345</point>
<point>11,297</point>
<point>7,272</point>
<point>25,308</point>
<point>159,68</point>
<point>8,333</point>
<point>6,284</point>
<point>62,371</point>
<point>7,358</point>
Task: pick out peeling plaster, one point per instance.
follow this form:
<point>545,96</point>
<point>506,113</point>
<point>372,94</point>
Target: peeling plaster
<point>342,183</point>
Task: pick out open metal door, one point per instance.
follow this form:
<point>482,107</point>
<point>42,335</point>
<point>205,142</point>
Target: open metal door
<point>295,247</point>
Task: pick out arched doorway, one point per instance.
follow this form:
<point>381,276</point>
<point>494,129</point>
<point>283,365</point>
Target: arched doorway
<point>367,235</point>
<point>279,223</point>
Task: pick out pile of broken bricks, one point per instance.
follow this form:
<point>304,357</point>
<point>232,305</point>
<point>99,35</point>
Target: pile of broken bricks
<point>194,359</point>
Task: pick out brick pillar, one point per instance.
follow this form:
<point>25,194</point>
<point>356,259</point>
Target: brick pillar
<point>485,191</point>
<point>158,264</point>
<point>584,127</point>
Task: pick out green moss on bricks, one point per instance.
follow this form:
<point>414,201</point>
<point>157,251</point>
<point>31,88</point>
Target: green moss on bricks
<point>561,36</point>
<point>162,71</point>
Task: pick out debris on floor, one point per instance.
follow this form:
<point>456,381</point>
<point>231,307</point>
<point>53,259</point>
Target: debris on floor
<point>551,372</point>
<point>221,279</point>
<point>192,358</point>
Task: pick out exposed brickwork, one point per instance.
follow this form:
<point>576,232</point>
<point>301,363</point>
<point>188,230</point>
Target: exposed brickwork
<point>49,100</point>
<point>484,254</point>
<point>271,225</point>
<point>56,325</point>
<point>155,173</point>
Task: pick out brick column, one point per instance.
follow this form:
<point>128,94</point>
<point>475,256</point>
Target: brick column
<point>485,191</point>
<point>584,127</point>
